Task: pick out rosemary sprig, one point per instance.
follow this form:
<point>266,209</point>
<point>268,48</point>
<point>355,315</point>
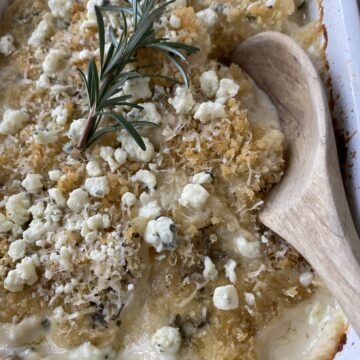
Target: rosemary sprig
<point>104,87</point>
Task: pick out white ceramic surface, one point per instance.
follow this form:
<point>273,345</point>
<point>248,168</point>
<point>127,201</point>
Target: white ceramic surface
<point>342,21</point>
<point>351,350</point>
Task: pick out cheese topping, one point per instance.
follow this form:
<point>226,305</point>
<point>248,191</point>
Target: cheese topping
<point>77,200</point>
<point>128,200</point>
<point>161,234</point>
<point>32,183</point>
<point>97,186</point>
<point>167,340</point>
<point>209,83</point>
<point>12,121</point>
<point>148,113</point>
<point>230,270</point>
<point>227,89</point>
<point>146,177</point>
<point>306,278</point>
<point>183,101</point>
<point>138,89</point>
<point>60,8</point>
<point>17,208</point>
<point>54,62</point>
<point>24,273</point>
<point>193,195</point>
<point>133,150</point>
<point>44,30</point>
<point>248,249</point>
<point>17,249</point>
<point>210,272</point>
<point>60,114</point>
<point>7,46</point>
<point>107,154</point>
<point>5,224</point>
<point>208,17</point>
<point>43,82</point>
<point>202,178</point>
<point>226,298</point>
<point>93,168</point>
<point>209,111</point>
<point>122,253</point>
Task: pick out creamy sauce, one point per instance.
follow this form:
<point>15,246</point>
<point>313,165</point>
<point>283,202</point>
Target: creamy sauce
<point>261,109</point>
<point>30,330</point>
<point>142,349</point>
<point>301,332</point>
<point>15,340</point>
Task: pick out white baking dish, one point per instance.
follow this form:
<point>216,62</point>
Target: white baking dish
<point>342,21</point>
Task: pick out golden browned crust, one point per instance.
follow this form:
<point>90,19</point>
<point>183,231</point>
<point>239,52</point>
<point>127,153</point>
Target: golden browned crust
<point>237,151</point>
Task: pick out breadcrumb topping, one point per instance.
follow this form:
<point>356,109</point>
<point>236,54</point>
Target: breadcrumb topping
<point>86,238</point>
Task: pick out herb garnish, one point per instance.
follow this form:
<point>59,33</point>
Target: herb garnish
<point>104,87</point>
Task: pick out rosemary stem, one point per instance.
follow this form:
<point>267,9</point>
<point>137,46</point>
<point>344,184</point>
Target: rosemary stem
<point>87,130</point>
<point>104,85</point>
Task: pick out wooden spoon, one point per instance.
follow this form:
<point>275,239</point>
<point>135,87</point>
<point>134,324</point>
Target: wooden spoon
<point>308,208</point>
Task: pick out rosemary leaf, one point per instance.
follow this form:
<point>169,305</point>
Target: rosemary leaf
<point>86,85</point>
<point>113,37</point>
<point>138,124</point>
<point>128,127</point>
<point>98,134</point>
<point>180,68</point>
<point>101,29</point>
<point>108,58</point>
<point>94,82</point>
<point>104,87</point>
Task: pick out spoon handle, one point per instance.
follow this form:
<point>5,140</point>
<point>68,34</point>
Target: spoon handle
<point>327,238</point>
<point>316,218</point>
<point>325,235</point>
<point>308,208</point>
<point>337,258</point>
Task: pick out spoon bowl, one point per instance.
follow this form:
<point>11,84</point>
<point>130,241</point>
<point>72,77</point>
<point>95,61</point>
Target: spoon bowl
<point>308,208</point>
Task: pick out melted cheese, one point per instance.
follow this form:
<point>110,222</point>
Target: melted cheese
<point>261,110</point>
<point>90,263</point>
<point>302,331</point>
